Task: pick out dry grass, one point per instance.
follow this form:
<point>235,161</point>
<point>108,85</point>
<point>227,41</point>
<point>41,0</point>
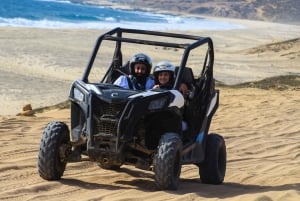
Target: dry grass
<point>284,82</point>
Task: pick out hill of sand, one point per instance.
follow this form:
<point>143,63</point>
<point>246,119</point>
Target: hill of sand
<point>54,58</point>
<point>259,120</point>
<point>261,130</point>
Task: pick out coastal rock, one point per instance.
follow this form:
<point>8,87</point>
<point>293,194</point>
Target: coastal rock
<point>268,10</point>
<point>26,110</point>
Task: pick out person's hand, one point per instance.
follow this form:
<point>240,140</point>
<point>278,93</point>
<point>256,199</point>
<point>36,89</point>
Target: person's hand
<point>156,86</point>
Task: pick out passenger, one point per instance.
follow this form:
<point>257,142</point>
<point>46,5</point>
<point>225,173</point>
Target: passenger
<point>164,73</point>
<point>183,88</point>
<point>139,67</point>
<point>164,76</point>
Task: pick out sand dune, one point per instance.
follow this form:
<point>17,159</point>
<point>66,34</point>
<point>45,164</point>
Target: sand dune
<point>260,127</point>
<point>292,46</point>
<point>57,57</point>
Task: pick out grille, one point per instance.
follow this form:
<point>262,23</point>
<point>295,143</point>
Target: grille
<point>107,126</point>
<point>107,118</point>
<point>112,108</point>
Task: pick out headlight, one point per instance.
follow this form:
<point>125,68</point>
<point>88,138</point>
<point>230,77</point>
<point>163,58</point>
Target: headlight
<point>157,104</point>
<point>78,95</point>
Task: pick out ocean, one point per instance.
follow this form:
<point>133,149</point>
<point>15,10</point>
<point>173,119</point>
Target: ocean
<point>64,14</point>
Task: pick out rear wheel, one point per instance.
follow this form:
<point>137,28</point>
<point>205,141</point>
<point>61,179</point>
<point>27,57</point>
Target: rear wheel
<point>54,151</point>
<point>167,167</point>
<point>212,170</point>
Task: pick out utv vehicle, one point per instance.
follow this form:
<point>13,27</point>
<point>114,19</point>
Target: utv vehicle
<point>113,126</point>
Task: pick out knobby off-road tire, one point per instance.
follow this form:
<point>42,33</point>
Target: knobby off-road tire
<point>54,149</point>
<point>167,167</point>
<point>212,170</point>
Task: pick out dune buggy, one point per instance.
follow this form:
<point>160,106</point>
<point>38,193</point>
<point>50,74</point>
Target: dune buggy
<point>113,126</point>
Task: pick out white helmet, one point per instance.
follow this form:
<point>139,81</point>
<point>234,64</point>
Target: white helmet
<point>164,66</point>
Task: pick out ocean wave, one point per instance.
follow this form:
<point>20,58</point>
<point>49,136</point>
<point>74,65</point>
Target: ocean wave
<point>56,1</point>
<point>110,22</point>
<point>64,14</point>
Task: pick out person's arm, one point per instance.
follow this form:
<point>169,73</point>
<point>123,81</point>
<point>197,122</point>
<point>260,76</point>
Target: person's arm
<point>122,82</point>
<point>150,83</point>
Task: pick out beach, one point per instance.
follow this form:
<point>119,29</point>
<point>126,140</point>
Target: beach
<point>261,127</point>
<point>53,58</point>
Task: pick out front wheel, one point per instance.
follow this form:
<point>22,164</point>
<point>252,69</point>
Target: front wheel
<point>212,170</point>
<point>54,151</point>
<point>167,167</point>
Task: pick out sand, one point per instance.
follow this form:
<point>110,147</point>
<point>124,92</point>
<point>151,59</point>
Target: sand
<point>261,127</point>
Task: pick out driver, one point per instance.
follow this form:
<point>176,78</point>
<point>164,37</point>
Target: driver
<point>139,67</point>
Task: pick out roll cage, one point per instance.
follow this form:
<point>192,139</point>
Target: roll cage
<point>117,35</point>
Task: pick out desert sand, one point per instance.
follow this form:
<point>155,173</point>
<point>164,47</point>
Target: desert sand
<point>261,127</point>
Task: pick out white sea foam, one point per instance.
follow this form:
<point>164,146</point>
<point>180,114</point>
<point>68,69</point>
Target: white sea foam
<point>56,1</point>
<point>176,23</point>
<point>64,14</point>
